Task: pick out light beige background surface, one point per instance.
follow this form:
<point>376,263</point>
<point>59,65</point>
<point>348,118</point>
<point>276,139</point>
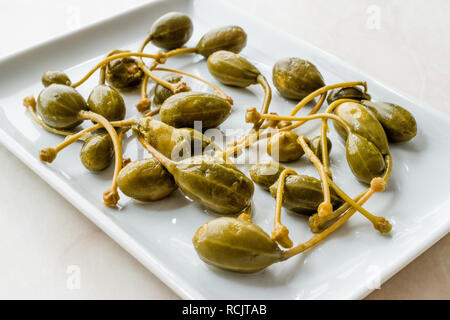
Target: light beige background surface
<point>403,43</point>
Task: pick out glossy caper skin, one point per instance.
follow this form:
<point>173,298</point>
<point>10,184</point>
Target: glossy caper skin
<point>230,38</point>
<point>123,73</point>
<point>161,93</point>
<point>266,173</point>
<point>283,147</point>
<point>171,30</point>
<point>55,76</point>
<point>108,102</point>
<point>364,158</point>
<point>212,182</point>
<point>59,106</point>
<point>183,109</point>
<point>303,194</point>
<point>97,152</point>
<point>398,123</point>
<point>235,245</point>
<point>146,180</point>
<point>232,69</point>
<point>295,78</point>
<point>362,122</point>
<point>354,93</point>
<point>316,146</point>
<point>173,143</point>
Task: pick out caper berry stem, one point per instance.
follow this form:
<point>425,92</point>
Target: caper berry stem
<point>30,104</point>
<point>324,234</point>
<point>144,103</point>
<point>166,162</point>
<point>213,86</point>
<point>280,233</point>
<point>324,89</point>
<point>248,139</point>
<point>316,223</point>
<point>110,196</point>
<point>379,223</point>
<point>252,116</point>
<point>325,208</point>
<point>102,77</point>
<point>178,51</point>
<point>105,61</point>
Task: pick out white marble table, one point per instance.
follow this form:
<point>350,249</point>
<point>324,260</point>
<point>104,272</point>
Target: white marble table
<point>45,243</point>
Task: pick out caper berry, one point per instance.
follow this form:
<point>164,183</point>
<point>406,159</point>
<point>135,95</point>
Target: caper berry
<point>354,93</point>
<point>183,109</point>
<point>283,147</point>
<point>303,194</point>
<point>230,38</point>
<point>55,76</point>
<point>171,30</point>
<point>146,180</point>
<point>399,124</point>
<point>123,73</point>
<point>108,102</point>
<point>97,152</point>
<point>295,78</point>
<point>265,173</point>
<point>59,106</point>
<point>235,245</point>
<point>161,93</point>
<point>232,69</point>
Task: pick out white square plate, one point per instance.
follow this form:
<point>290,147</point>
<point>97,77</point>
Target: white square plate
<point>348,265</point>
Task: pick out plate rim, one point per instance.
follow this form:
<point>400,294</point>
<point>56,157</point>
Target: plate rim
<point>179,286</point>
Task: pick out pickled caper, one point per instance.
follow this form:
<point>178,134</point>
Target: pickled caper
<point>235,245</point>
<point>362,122</point>
<point>171,142</point>
<point>55,76</point>
<point>364,158</point>
<point>146,180</point>
<point>59,106</point>
<point>108,102</point>
<point>124,73</point>
<point>183,109</point>
<point>399,124</point>
<point>303,194</point>
<point>230,38</point>
<point>283,147</point>
<point>354,93</point>
<point>265,173</point>
<point>161,93</point>
<point>97,152</point>
<point>171,30</point>
<point>232,69</point>
<point>316,146</point>
<point>295,78</point>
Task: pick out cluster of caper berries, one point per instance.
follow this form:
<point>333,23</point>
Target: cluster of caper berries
<point>183,158</point>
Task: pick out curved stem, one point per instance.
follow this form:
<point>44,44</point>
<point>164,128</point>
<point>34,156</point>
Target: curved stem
<point>322,235</point>
<point>307,118</point>
<point>280,233</point>
<point>323,135</point>
<point>144,103</point>
<point>103,69</point>
<point>324,89</point>
<point>213,86</point>
<point>316,223</point>
<point>110,196</point>
<point>30,104</point>
<point>108,59</point>
<point>178,51</point>
<point>325,208</point>
<point>166,162</point>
